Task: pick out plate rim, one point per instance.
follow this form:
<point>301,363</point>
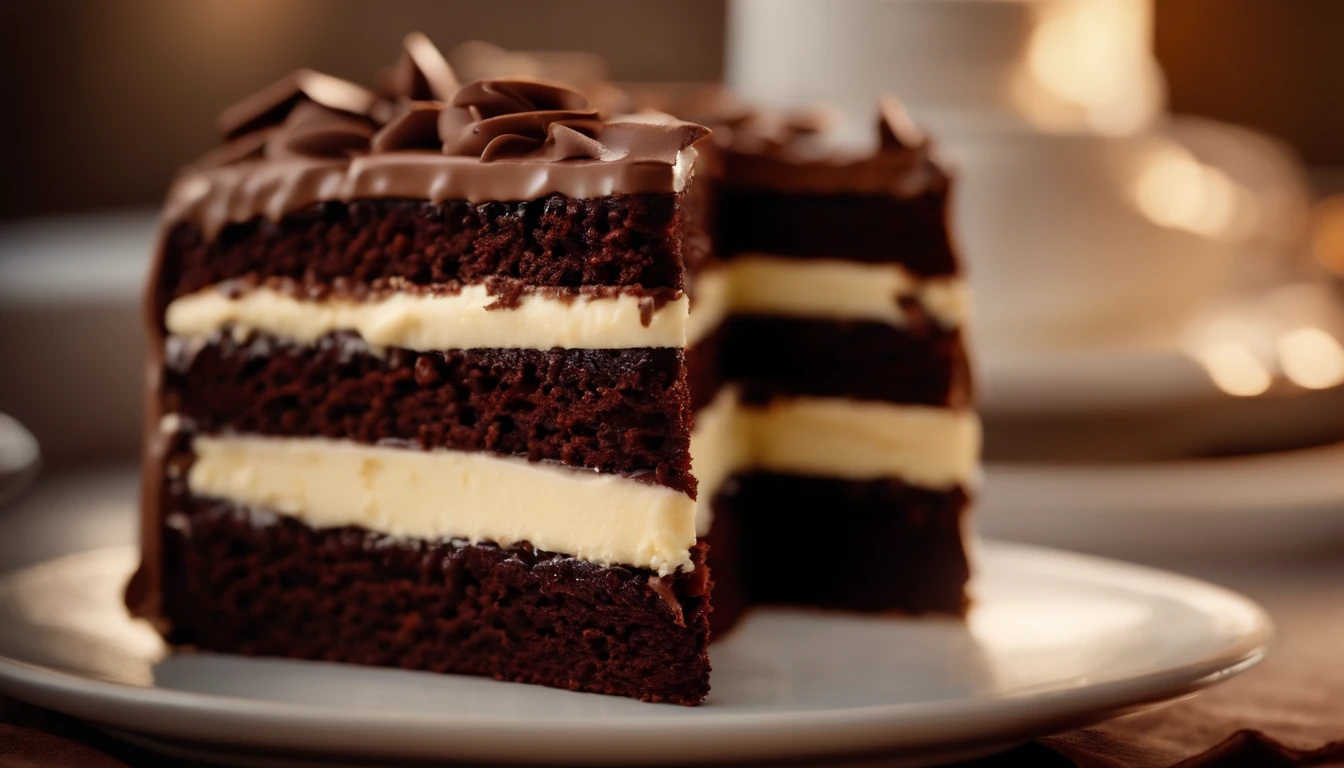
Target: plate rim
<point>701,733</point>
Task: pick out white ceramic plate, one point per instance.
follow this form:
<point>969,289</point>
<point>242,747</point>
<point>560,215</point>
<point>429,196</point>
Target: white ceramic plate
<point>1055,641</point>
<point>1262,505</point>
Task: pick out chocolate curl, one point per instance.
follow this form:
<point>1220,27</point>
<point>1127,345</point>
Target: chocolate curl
<point>271,105</point>
<point>473,138</point>
<point>415,127</point>
<point>513,95</point>
<point>570,140</point>
<point>483,113</point>
<point>895,128</point>
<point>315,131</point>
<point>420,74</point>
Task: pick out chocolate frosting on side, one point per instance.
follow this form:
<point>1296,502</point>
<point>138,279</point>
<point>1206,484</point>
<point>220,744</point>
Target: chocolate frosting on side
<point>311,138</point>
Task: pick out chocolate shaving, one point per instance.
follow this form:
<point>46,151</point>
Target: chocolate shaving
<point>895,128</point>
<point>415,127</point>
<point>272,104</point>
<point>421,73</point>
<point>315,131</point>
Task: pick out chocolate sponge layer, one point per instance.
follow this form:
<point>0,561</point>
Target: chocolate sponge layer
<point>619,240</point>
<point>241,580</point>
<point>621,411</point>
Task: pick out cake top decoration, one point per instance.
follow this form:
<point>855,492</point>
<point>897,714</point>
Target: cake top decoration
<point>422,134</point>
<point>419,105</point>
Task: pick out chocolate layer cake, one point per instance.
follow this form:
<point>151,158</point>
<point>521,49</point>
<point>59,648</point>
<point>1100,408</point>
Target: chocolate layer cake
<point>480,379</point>
<point>420,391</point>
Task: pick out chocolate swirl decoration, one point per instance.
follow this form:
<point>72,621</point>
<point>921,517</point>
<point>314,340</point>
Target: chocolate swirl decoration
<point>419,106</point>
<point>512,117</point>
<point>305,113</point>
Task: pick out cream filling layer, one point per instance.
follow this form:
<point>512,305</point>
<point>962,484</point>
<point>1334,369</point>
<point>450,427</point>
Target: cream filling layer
<point>718,451</point>
<point>606,519</point>
<point>841,290</point>
<point>935,448</point>
<point>424,322</point>
<point>751,283</point>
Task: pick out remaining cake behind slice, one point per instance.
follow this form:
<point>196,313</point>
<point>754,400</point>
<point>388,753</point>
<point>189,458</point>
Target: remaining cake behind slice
<point>420,388</point>
<point>847,346</point>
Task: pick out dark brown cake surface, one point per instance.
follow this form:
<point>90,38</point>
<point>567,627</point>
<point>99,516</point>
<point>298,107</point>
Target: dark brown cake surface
<point>917,365</point>
<point>871,545</point>
<point>242,580</point>
<point>864,228</point>
<point>555,241</point>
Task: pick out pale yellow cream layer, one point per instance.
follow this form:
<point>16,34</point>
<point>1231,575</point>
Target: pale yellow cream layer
<point>753,283</point>
<point>430,322</point>
<point>718,451</point>
<point>601,518</point>
<point>840,290</point>
<point>934,448</point>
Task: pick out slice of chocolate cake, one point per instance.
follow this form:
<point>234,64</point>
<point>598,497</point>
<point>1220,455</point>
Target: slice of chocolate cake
<point>475,378</point>
<point>419,387</point>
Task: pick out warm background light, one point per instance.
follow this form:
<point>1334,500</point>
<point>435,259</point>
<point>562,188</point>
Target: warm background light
<point>1311,358</point>
<point>1175,190</point>
<point>1235,368</point>
<point>1327,237</point>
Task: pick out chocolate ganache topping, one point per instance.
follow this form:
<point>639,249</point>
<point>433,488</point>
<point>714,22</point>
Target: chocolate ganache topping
<point>310,138</point>
<point>793,150</point>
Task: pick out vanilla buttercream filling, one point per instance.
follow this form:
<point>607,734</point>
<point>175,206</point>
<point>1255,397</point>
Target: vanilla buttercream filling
<point>719,450</point>
<point>472,317</point>
<point>443,494</point>
<point>602,518</point>
<point>936,448</point>
<point>841,290</point>
<point>426,322</point>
